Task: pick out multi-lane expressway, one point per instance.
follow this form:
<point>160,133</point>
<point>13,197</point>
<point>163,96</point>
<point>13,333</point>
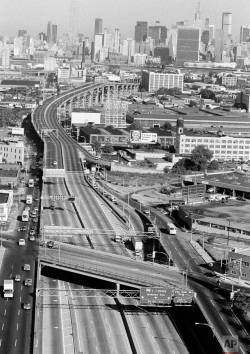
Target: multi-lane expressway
<point>91,212</point>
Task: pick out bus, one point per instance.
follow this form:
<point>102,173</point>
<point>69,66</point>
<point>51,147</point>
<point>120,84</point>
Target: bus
<point>171,228</point>
<point>25,215</point>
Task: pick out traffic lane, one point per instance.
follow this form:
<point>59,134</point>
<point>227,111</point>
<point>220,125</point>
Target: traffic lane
<point>15,318</point>
<point>186,262</point>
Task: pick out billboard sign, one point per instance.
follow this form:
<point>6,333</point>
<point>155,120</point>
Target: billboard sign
<point>139,137</point>
<point>151,296</point>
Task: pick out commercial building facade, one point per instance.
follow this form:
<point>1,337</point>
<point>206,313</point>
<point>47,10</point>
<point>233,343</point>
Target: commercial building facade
<point>223,147</point>
<point>12,152</point>
<point>188,44</point>
<point>152,81</point>
<point>6,201</point>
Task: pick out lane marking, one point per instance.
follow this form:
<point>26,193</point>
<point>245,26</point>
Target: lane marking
<point>18,312</point>
<point>0,342</point>
<point>15,342</point>
<point>2,326</point>
<point>17,326</point>
<point>4,312</point>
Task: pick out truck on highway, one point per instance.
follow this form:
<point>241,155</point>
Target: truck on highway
<point>29,199</point>
<point>171,228</point>
<point>31,183</point>
<point>8,288</point>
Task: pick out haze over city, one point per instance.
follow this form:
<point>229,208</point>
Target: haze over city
<point>34,15</point>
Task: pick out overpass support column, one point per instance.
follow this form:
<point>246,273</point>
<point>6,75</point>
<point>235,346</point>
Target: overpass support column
<point>234,194</point>
<point>117,289</point>
<point>102,96</point>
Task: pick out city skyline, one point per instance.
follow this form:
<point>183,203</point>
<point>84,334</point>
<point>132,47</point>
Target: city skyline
<point>166,12</point>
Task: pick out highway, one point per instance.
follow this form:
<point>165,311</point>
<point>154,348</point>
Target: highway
<point>92,213</point>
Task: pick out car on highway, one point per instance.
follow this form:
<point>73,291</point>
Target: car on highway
<point>55,163</point>
<point>17,277</point>
<point>35,220</point>
<point>32,238</point>
<point>27,306</point>
<point>21,242</point>
<point>26,267</point>
<point>50,244</point>
<point>22,228</point>
<point>32,232</point>
<point>28,282</point>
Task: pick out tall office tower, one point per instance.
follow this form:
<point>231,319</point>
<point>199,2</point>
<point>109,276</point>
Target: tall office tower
<point>117,41</point>
<point>197,17</point>
<point>5,57</point>
<point>158,33</point>
<point>244,33</point>
<point>188,44</point>
<point>83,52</point>
<point>98,25</point>
<point>54,33</point>
<point>49,32</point>
<point>74,18</point>
<point>22,33</point>
<point>98,47</point>
<point>211,32</point>
<point>42,36</point>
<point>128,48</point>
<point>219,45</point>
<point>227,23</point>
<point>206,23</point>
<point>141,31</point>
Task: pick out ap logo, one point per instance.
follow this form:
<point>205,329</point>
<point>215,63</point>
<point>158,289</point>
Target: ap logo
<point>230,345</point>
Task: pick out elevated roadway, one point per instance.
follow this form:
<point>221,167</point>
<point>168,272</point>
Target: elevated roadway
<point>111,267</point>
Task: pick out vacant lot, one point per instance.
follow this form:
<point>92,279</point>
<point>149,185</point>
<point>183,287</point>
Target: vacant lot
<point>236,211</point>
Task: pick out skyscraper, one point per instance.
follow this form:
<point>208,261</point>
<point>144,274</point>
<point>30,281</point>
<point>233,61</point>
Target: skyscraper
<point>74,17</point>
<point>49,32</point>
<point>158,33</point>
<point>188,44</point>
<point>54,33</point>
<point>141,31</point>
<point>227,23</point>
<point>98,25</point>
<point>244,33</point>
<point>22,33</point>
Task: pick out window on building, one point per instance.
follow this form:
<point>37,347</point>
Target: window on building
<point>245,263</point>
<point>243,275</point>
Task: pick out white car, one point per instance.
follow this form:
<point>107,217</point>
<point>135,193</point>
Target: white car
<point>21,242</point>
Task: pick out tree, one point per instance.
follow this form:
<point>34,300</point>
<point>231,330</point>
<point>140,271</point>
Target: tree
<point>207,94</point>
<point>213,165</point>
<point>200,157</point>
<point>183,165</point>
<point>167,126</point>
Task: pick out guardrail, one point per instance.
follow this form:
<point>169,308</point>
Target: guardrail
<point>136,281</point>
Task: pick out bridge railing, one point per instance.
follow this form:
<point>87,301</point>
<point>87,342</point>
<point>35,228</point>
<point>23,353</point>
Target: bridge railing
<point>98,270</point>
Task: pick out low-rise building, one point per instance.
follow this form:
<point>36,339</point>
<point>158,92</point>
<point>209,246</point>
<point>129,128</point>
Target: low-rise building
<point>12,151</point>
<point>6,201</point>
<point>239,265</point>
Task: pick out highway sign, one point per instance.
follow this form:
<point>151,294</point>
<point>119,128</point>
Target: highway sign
<point>70,198</point>
<point>183,296</point>
<point>154,296</point>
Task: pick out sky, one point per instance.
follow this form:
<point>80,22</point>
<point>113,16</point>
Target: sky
<point>33,15</point>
